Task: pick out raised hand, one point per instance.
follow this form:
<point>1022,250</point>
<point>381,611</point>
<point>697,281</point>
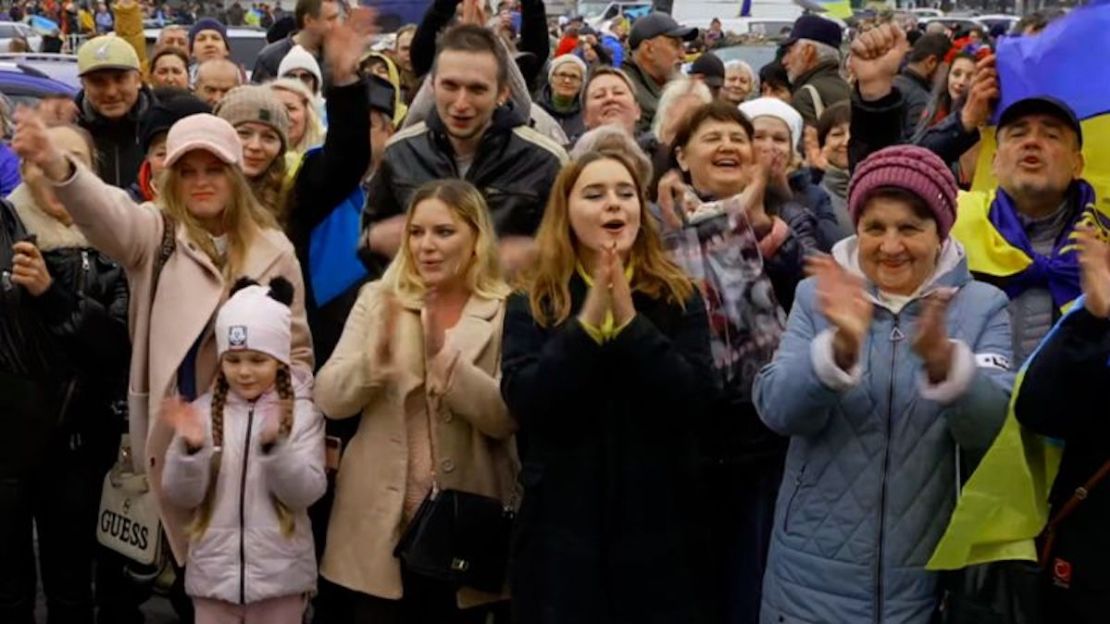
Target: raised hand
<point>842,300</point>
<point>598,299</point>
<point>29,269</point>
<point>621,292</point>
<point>345,43</point>
<point>815,156</point>
<point>931,342</point>
<point>876,58</point>
<point>185,421</point>
<point>982,96</point>
<point>474,12</point>
<point>33,144</point>
<point>1094,265</point>
<point>671,191</point>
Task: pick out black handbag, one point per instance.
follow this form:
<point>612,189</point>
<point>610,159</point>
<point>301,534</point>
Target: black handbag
<point>458,537</point>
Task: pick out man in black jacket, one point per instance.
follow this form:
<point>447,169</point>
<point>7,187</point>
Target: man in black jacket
<point>315,18</point>
<point>916,80</point>
<point>1063,396</point>
<point>474,134</point>
<point>109,105</point>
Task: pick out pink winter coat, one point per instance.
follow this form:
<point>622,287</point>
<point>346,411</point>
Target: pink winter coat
<point>243,556</point>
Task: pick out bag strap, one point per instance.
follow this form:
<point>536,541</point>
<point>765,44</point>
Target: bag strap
<point>165,250</point>
<point>1081,493</point>
<point>818,103</point>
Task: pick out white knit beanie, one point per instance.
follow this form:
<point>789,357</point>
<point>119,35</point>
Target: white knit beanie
<point>299,58</point>
<point>774,107</point>
<point>567,58</point>
<point>253,320</point>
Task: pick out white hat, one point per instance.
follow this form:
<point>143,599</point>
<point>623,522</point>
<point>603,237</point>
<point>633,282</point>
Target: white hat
<point>774,107</point>
<point>563,59</point>
<point>299,58</point>
<point>254,319</point>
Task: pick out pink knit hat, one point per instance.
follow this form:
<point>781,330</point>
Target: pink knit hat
<point>205,132</point>
<point>257,318</point>
<point>912,169</point>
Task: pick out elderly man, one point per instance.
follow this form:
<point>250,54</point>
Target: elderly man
<point>657,53</point>
<point>173,36</point>
<point>111,100</point>
<point>812,61</point>
<point>214,79</point>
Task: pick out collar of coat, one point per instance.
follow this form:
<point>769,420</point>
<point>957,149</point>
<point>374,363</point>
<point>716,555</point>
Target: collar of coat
<point>476,325</point>
<point>51,233</point>
<point>824,67</point>
<point>92,120</point>
<point>265,251</point>
<point>505,118</point>
<point>951,270</point>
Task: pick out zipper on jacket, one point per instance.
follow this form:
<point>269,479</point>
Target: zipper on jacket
<point>242,510</point>
<point>896,336</point>
<point>84,271</point>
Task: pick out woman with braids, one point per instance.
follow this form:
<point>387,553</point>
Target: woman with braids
<point>181,256</point>
<point>248,459</point>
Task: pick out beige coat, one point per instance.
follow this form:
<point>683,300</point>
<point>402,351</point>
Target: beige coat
<point>474,450</point>
<point>190,291</point>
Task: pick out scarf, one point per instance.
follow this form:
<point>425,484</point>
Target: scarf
<point>836,181</point>
<point>997,245</point>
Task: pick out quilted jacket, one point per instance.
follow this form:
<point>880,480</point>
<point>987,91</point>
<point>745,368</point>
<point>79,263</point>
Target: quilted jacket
<point>870,476</point>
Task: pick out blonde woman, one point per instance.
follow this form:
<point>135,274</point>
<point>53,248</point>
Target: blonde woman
<point>418,362</point>
<point>219,232</point>
<point>305,127</point>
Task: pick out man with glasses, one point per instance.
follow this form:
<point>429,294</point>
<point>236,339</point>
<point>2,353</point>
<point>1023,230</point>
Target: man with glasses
<point>657,54</point>
<point>560,96</point>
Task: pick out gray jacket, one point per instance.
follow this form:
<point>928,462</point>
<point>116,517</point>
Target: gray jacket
<point>869,481</point>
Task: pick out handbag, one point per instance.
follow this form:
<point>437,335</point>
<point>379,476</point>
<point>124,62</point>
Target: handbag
<point>458,537</point>
<point>129,522</point>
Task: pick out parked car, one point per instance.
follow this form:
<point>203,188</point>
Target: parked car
<point>597,14</point>
<point>246,43</point>
<point>991,21</point>
<point>13,30</point>
<point>958,24</point>
<point>26,85</point>
<point>60,67</point>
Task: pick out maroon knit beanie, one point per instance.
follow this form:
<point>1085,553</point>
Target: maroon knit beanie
<point>912,169</point>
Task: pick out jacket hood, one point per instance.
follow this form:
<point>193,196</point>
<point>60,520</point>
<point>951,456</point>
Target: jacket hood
<point>951,270</point>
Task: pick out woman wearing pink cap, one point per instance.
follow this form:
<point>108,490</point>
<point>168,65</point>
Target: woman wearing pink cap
<point>181,256</point>
<point>892,372</point>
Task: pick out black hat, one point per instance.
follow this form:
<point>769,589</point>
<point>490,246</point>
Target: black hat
<point>658,24</point>
<point>1042,105</point>
<point>165,113</point>
<point>711,68</point>
<point>383,96</point>
<point>817,29</point>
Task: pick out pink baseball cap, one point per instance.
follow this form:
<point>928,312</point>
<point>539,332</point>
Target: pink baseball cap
<point>204,132</point>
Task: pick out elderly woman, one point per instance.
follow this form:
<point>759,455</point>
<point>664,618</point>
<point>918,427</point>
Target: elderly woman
<point>560,96</point>
<point>681,97</point>
<point>893,361</point>
<point>740,82</point>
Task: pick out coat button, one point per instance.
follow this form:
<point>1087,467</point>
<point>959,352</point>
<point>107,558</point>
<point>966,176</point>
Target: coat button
<point>447,465</point>
<point>448,417</point>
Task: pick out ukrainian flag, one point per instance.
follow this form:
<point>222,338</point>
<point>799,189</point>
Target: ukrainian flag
<point>1004,505</point>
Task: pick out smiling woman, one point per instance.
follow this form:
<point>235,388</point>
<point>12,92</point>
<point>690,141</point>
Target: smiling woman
<point>607,369</point>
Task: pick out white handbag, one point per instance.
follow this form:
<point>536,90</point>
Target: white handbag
<point>129,522</point>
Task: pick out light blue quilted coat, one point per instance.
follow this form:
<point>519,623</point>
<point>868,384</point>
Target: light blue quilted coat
<point>870,477</point>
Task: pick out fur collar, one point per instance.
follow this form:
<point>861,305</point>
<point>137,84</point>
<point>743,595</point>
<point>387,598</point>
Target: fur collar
<point>50,232</point>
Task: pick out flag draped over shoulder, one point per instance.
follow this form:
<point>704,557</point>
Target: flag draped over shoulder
<point>1004,505</point>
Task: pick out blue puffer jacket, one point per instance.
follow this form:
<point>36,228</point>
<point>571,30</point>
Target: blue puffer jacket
<point>870,475</point>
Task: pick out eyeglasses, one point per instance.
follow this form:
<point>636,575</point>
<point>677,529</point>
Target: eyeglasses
<point>566,77</point>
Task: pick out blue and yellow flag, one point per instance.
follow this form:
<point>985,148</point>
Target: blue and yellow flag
<point>1004,505</point>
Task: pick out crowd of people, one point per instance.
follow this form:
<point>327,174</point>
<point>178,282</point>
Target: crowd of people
<point>500,323</point>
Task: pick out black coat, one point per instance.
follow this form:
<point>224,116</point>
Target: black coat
<point>1063,396</point>
<point>64,354</point>
<point>326,178</point>
<point>607,531</point>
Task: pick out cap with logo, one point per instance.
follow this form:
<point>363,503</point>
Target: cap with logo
<point>1042,105</point>
<point>658,24</point>
<point>817,29</point>
<point>106,52</point>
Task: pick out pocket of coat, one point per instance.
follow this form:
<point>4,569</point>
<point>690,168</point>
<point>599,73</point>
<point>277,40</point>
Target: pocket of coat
<point>799,483</point>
